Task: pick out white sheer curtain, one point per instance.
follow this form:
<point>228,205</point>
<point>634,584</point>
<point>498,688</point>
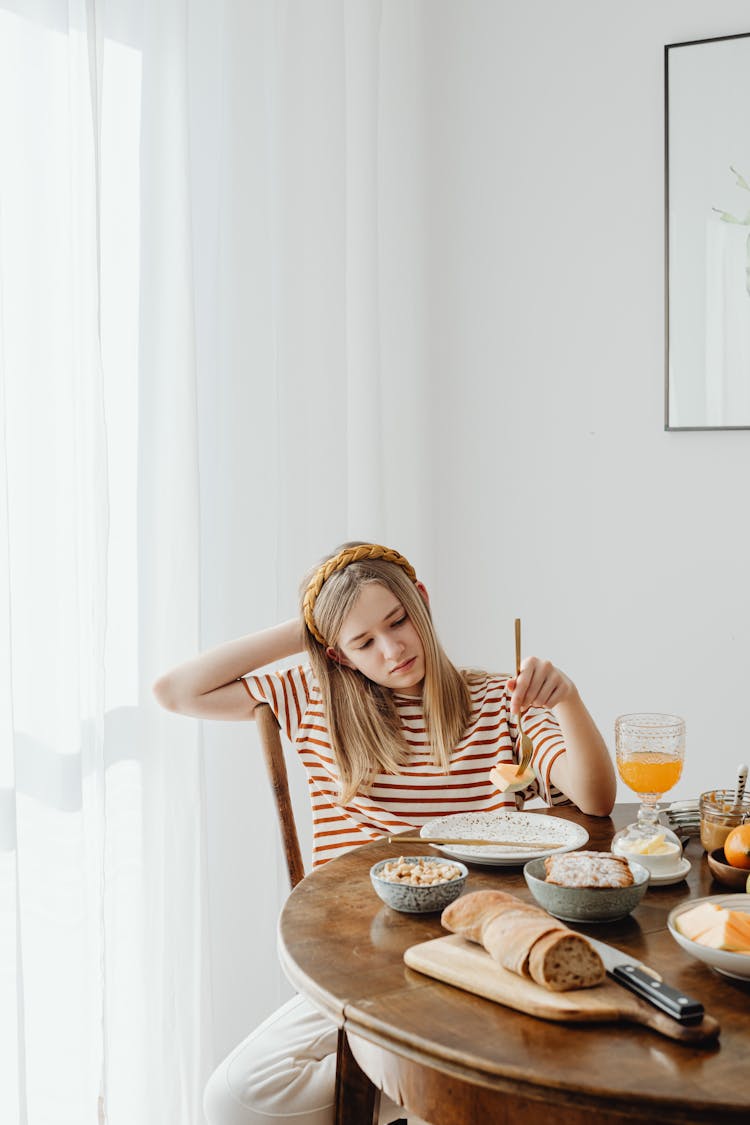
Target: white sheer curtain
<point>104,990</point>
<point>314,400</point>
<point>211,372</point>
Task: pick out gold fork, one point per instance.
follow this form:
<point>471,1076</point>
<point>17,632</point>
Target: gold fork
<point>527,746</point>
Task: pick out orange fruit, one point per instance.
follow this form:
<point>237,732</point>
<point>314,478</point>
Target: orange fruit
<point>737,847</point>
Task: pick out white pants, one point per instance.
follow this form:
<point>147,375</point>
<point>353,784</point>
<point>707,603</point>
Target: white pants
<point>284,1071</point>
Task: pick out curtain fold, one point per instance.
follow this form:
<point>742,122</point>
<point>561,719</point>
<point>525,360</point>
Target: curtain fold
<point>314,401</point>
<point>104,987</point>
<point>211,372</point>
<point>178,1012</point>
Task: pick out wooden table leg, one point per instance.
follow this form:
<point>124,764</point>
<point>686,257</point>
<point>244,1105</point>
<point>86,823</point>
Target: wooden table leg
<point>357,1100</point>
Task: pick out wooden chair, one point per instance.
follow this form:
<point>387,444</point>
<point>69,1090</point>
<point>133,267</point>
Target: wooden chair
<point>273,754</point>
<point>357,1100</point>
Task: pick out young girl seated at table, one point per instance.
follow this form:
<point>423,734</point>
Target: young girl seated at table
<point>391,734</point>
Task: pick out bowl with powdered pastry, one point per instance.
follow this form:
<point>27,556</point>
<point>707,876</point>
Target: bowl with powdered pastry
<point>586,886</point>
<point>418,884</point>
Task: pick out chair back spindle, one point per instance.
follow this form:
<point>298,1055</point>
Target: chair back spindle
<point>273,753</point>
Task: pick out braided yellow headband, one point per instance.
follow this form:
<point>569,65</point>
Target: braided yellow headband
<point>338,562</point>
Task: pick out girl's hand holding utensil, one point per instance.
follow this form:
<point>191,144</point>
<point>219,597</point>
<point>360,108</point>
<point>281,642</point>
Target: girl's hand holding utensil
<point>526,745</point>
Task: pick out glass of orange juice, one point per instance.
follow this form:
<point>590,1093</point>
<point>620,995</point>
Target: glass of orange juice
<point>650,750</point>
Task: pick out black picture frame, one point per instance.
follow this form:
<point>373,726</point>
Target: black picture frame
<point>707,326</point>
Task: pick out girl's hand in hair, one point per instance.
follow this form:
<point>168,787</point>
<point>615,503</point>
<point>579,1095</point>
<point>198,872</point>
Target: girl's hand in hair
<point>538,684</point>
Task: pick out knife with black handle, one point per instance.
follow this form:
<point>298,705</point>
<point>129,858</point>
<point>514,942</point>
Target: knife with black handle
<point>633,975</point>
<point>661,995</point>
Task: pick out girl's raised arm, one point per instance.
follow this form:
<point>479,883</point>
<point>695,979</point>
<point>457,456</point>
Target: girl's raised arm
<point>208,688</point>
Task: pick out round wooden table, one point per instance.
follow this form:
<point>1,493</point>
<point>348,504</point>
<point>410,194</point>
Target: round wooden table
<point>457,1059</point>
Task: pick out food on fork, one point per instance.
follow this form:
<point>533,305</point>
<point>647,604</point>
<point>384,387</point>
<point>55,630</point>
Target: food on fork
<point>503,777</point>
<point>525,940</point>
<point>588,869</point>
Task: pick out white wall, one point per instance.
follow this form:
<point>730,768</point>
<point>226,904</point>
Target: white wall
<point>557,494</point>
<point>624,548</point>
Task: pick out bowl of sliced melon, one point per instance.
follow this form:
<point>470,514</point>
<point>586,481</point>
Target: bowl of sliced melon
<point>715,930</point>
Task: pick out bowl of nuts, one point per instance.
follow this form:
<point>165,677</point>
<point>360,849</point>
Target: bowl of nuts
<point>418,884</point>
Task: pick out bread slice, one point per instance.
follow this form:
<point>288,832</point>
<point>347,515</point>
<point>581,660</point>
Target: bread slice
<point>562,961</point>
<point>588,869</point>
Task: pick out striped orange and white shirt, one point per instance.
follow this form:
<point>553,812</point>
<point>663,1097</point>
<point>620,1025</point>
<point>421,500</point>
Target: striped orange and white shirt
<point>395,802</point>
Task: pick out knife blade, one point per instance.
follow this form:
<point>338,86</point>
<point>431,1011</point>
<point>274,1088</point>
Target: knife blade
<point>644,982</point>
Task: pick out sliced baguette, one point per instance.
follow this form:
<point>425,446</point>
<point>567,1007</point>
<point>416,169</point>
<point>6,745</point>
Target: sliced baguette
<point>469,914</point>
<point>510,937</point>
<point>525,939</point>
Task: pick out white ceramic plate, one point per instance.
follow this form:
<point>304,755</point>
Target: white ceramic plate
<point>735,965</point>
<point>516,826</point>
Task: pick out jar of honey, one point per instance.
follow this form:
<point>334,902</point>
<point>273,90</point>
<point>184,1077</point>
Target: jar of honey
<point>719,815</point>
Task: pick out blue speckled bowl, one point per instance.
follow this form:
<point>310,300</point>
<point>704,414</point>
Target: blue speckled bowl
<point>418,900</point>
<point>585,904</point>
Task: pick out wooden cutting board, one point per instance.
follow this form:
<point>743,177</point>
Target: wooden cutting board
<point>456,961</point>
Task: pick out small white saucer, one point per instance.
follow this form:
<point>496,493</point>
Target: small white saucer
<point>666,877</point>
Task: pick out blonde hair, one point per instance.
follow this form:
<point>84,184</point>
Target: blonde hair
<point>363,722</point>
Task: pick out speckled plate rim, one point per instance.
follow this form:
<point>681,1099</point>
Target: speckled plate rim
<point>726,962</point>
<point>576,833</point>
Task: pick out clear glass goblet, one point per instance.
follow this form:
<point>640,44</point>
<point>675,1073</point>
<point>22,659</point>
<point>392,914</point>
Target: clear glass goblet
<point>650,751</point>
